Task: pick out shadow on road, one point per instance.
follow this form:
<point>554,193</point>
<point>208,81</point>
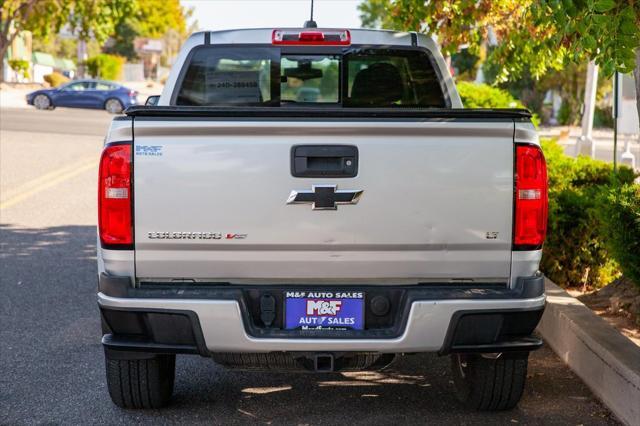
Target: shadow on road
<point>49,328</point>
<point>67,242</point>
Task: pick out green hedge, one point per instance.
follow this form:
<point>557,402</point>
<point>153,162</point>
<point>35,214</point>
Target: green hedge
<point>579,248</point>
<point>20,66</point>
<point>485,96</point>
<point>108,67</point>
<point>620,216</point>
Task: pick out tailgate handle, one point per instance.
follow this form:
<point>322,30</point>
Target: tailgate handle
<point>320,161</point>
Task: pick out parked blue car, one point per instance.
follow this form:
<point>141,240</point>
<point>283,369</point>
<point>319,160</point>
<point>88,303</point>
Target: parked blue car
<point>85,94</point>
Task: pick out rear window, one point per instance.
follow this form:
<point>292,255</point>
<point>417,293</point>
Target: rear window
<point>101,85</point>
<point>266,76</point>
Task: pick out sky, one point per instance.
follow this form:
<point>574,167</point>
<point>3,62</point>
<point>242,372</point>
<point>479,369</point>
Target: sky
<point>230,14</point>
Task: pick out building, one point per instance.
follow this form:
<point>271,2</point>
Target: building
<point>19,49</point>
<point>41,64</point>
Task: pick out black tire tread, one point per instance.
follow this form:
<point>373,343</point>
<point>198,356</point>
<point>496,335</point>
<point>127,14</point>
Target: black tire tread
<point>491,384</point>
<point>141,383</point>
<point>114,99</point>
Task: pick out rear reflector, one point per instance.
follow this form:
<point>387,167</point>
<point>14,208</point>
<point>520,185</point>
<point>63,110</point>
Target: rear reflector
<point>117,193</point>
<point>531,198</point>
<point>114,197</point>
<point>315,37</point>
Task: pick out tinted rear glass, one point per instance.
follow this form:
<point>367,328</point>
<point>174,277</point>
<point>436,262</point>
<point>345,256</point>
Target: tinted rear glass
<point>222,76</point>
<point>263,76</point>
<point>310,79</point>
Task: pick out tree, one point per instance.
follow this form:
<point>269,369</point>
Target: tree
<point>122,40</point>
<point>97,19</point>
<point>86,18</point>
<point>153,19</point>
<point>42,17</point>
<point>537,35</point>
<point>63,47</point>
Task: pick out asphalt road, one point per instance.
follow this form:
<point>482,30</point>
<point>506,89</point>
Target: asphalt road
<point>51,361</point>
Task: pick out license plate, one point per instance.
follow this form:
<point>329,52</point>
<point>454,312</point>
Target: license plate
<point>323,310</point>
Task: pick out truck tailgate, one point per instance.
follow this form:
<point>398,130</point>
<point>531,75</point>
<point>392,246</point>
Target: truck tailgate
<point>210,200</point>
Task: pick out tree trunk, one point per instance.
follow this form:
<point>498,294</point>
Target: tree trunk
<point>9,31</point>
<point>6,39</point>
<point>636,74</point>
<point>4,46</point>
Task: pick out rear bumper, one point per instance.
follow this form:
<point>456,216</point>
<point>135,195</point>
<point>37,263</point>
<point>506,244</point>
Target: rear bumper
<point>440,320</point>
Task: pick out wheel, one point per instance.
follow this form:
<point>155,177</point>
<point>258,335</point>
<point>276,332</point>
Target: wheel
<point>113,106</point>
<point>487,384</point>
<point>42,102</point>
<point>141,383</point>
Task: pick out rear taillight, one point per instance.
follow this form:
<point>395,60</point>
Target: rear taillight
<point>312,37</point>
<point>114,197</point>
<point>531,198</point>
<point>133,93</point>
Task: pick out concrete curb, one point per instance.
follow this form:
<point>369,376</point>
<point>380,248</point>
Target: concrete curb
<point>604,359</point>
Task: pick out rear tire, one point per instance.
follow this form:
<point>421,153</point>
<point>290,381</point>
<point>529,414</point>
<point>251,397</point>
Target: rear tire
<point>113,106</point>
<point>141,383</point>
<point>488,384</point>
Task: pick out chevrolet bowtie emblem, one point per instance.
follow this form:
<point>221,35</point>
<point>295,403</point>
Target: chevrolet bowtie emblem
<point>324,197</point>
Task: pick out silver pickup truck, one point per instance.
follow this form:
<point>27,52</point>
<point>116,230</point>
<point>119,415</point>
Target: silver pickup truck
<point>318,200</point>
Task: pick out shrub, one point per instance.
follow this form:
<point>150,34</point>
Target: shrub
<point>485,96</point>
<point>620,217</point>
<point>20,66</point>
<point>576,251</point>
<point>602,117</point>
<point>55,79</point>
<point>105,66</point>
<point>565,116</point>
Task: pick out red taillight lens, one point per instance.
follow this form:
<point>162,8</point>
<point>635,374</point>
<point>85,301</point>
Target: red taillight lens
<point>531,198</point>
<point>316,37</point>
<point>114,196</point>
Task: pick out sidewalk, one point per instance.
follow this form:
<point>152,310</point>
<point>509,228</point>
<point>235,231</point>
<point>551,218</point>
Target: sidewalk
<point>607,361</point>
<point>14,97</point>
<point>603,137</point>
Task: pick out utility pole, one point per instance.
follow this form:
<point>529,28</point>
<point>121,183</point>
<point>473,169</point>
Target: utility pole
<point>585,144</point>
<point>82,57</point>
<point>616,112</point>
<point>626,116</point>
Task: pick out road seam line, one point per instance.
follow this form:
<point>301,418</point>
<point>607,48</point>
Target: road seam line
<point>55,178</point>
<point>7,194</point>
